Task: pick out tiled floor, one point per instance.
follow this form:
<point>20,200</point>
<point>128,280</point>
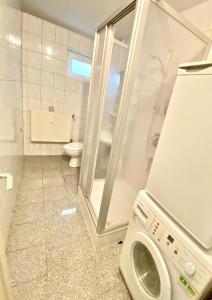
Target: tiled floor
<point>50,255</point>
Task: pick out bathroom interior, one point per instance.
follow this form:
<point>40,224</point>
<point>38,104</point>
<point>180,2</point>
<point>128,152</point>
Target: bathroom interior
<point>84,93</point>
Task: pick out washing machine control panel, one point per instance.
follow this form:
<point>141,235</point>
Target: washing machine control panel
<point>193,276</point>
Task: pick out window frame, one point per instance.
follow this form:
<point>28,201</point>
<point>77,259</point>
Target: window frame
<point>72,54</point>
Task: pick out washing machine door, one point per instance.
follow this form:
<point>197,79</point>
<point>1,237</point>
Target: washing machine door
<point>149,269</point>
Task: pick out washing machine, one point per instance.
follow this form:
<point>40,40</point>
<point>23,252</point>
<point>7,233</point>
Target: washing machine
<point>159,261</point>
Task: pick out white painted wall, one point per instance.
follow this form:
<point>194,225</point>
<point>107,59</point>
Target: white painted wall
<point>45,81</point>
<point>11,137</point>
<point>201,16</point>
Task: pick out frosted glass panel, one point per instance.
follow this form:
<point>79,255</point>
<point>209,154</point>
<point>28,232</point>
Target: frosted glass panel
<point>114,84</point>
<point>95,82</point>
<point>163,48</point>
<point>117,68</point>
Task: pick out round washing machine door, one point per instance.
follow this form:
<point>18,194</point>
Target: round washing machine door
<point>150,269</point>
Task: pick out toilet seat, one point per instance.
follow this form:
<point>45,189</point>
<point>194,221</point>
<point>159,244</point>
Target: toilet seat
<point>73,146</point>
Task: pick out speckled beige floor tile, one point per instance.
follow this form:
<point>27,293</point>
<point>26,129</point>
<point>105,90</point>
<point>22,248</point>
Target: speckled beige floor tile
<point>26,265</point>
<point>70,171</point>
<point>72,183</point>
<point>52,173</point>
<point>55,193</point>
<point>26,235</point>
<point>117,293</point>
<point>32,174</point>
<point>31,184</point>
<point>62,264</point>
<point>53,181</point>
<point>64,231</point>
<point>26,197</point>
<point>28,214</point>
<point>58,207</point>
<point>33,290</point>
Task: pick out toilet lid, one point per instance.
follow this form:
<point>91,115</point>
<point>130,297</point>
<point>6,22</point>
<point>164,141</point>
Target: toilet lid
<point>74,146</point>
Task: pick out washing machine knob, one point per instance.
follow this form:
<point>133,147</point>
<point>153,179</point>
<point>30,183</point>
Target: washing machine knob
<point>190,268</point>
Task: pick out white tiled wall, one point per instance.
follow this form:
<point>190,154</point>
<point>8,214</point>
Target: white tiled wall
<point>11,136</point>
<point>45,81</point>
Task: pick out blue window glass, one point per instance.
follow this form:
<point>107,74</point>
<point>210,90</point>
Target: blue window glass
<point>80,68</point>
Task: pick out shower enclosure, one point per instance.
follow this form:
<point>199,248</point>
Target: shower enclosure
<point>136,55</point>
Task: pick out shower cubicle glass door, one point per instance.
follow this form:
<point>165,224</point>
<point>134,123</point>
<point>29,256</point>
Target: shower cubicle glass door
<point>112,44</point>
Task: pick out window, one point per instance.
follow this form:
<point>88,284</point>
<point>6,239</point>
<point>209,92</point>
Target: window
<point>79,66</point>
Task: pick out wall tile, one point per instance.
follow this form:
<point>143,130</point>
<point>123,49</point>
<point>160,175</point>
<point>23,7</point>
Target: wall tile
<point>48,48</point>
<point>25,40</point>
<point>34,42</point>
<point>25,22</point>
<point>34,25</point>
<point>61,35</point>
<point>59,96</point>
<point>71,84</point>
<point>73,40</point>
<point>47,63</point>
<point>45,82</point>
<point>33,104</point>
<point>34,91</point>
<point>24,73</point>
<point>47,78</point>
<point>59,67</point>
<point>24,57</point>
<point>34,75</point>
<point>59,82</point>
<point>49,31</point>
<point>61,52</point>
<point>34,60</point>
<point>46,93</point>
<point>70,98</point>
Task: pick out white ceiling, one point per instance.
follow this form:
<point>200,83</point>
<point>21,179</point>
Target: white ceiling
<point>85,15</point>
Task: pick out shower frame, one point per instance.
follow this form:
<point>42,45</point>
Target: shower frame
<point>97,226</point>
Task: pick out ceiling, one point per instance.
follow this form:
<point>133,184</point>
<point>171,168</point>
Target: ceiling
<point>85,15</point>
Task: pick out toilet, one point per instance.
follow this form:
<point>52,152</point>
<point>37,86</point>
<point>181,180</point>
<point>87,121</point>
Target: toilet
<point>75,151</point>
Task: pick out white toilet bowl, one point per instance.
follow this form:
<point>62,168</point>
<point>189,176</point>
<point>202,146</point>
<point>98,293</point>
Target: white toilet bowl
<point>75,151</point>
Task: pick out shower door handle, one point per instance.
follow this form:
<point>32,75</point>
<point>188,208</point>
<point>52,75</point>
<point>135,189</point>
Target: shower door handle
<point>9,179</point>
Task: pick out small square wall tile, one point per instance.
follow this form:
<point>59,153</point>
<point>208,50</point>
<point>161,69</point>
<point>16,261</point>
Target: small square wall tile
<point>34,25</point>
<point>61,52</point>
<point>49,31</point>
<point>34,42</point>
<point>34,91</point>
<point>59,82</point>
<point>34,60</point>
<point>25,236</point>
<point>34,75</point>
<point>24,57</point>
<point>59,67</point>
<point>28,214</point>
<point>71,85</point>
<point>46,93</point>
<point>25,40</point>
<point>47,63</point>
<point>48,48</point>
<point>27,265</point>
<point>61,35</point>
<point>47,78</point>
<point>59,96</point>
<point>25,22</point>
